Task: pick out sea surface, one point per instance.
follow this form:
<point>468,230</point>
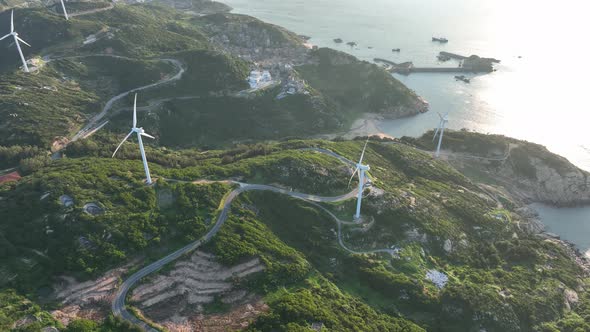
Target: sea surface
<point>538,93</point>
<point>572,225</point>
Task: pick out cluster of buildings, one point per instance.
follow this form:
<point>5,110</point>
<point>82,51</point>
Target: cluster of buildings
<point>291,83</point>
<point>258,79</point>
<point>294,85</point>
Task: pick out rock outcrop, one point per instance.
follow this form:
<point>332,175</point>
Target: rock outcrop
<point>560,187</point>
<point>528,171</point>
<point>254,40</point>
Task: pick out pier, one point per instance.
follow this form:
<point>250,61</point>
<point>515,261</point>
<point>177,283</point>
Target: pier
<point>407,68</point>
<point>410,70</point>
<point>462,57</point>
<point>471,64</point>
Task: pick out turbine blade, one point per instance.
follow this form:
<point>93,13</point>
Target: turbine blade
<point>123,141</point>
<point>63,6</point>
<point>12,21</point>
<point>146,135</point>
<point>435,133</point>
<point>353,174</point>
<point>363,153</point>
<point>22,41</point>
<point>439,115</point>
<point>135,111</point>
<point>8,35</point>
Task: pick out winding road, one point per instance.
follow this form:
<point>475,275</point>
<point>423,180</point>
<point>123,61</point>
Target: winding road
<point>88,128</point>
<point>118,305</point>
<point>92,11</point>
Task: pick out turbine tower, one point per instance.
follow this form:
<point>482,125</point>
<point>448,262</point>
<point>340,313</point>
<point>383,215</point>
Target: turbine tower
<point>361,169</point>
<point>63,6</point>
<point>140,132</point>
<point>17,39</point>
<point>444,119</point>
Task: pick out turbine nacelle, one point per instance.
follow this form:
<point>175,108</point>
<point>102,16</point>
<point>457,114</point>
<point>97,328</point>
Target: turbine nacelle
<point>140,132</point>
<point>440,130</point>
<point>362,167</point>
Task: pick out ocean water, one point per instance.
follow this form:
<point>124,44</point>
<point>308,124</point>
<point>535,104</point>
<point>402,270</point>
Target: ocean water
<point>572,225</point>
<point>539,97</point>
<point>538,93</point>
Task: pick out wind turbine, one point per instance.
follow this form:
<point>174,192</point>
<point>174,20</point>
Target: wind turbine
<point>140,132</point>
<point>361,169</point>
<point>444,119</point>
<point>17,39</point>
<point>63,6</point>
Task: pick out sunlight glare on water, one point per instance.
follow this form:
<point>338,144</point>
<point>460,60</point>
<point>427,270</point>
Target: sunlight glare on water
<point>540,97</point>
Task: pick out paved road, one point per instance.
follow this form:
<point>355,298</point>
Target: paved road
<point>91,126</point>
<point>92,11</point>
<point>116,98</point>
<point>118,305</point>
<point>333,154</point>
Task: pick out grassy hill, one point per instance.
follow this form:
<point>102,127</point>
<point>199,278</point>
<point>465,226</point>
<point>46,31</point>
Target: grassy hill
<point>500,277</point>
<point>355,85</point>
<point>95,57</point>
<point>57,99</point>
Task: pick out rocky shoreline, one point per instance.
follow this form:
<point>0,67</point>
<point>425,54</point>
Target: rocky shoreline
<point>536,226</point>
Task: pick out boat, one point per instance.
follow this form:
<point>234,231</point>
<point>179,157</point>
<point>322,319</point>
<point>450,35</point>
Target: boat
<point>443,57</point>
<point>440,40</point>
<point>395,50</point>
<point>338,40</point>
<point>463,78</point>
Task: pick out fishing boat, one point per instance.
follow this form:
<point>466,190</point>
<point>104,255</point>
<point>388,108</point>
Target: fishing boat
<point>440,40</point>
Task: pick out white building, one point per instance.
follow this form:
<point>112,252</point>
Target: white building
<point>259,78</point>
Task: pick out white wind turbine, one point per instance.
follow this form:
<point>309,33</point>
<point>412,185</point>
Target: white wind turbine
<point>63,6</point>
<point>444,119</point>
<point>361,169</point>
<point>140,132</point>
<point>17,39</point>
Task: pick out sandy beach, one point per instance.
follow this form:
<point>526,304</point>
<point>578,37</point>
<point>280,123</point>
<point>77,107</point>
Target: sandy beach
<point>366,125</point>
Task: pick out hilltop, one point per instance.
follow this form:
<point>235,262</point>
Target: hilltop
<point>490,270</point>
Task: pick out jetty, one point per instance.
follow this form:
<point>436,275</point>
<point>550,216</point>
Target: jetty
<point>470,64</point>
<point>462,57</point>
<point>410,70</point>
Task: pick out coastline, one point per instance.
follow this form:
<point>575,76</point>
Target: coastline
<point>369,124</point>
<point>366,124</point>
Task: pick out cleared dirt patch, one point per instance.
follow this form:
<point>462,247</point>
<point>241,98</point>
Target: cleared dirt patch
<point>90,299</point>
<point>177,299</point>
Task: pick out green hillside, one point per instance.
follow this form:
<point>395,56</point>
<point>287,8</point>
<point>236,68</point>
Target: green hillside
<point>92,58</point>
<point>500,277</point>
<point>355,84</point>
<point>55,101</point>
<point>62,94</point>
